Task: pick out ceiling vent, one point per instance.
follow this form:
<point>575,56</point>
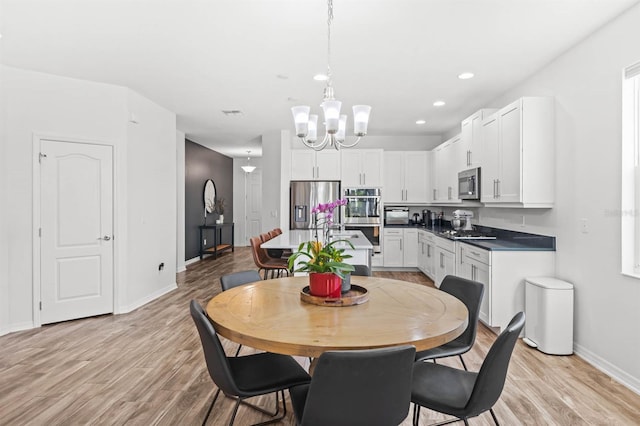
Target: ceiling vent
<point>232,112</point>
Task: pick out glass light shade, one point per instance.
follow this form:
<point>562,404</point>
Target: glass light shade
<point>248,169</point>
<point>342,128</point>
<point>301,119</point>
<point>313,128</point>
<point>361,119</point>
<point>331,115</point>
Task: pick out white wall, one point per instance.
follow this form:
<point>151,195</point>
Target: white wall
<point>51,105</point>
<point>180,206</point>
<point>151,202</point>
<point>4,238</point>
<point>272,167</point>
<point>586,84</point>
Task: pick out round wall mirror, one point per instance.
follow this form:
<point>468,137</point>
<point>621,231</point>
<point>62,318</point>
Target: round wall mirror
<point>209,196</point>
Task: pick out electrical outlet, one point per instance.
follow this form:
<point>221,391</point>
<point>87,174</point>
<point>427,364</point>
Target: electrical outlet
<point>584,226</point>
<point>205,242</point>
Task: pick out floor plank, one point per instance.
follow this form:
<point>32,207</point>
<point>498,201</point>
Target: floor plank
<point>146,367</point>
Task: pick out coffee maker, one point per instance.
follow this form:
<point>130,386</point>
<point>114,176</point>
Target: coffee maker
<point>426,218</point>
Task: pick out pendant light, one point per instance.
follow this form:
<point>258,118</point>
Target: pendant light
<point>248,168</point>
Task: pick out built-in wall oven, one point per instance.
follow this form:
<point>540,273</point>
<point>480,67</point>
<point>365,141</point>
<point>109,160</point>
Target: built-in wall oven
<point>363,213</point>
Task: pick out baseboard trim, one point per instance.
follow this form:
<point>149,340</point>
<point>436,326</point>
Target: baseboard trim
<point>181,268</point>
<point>16,327</point>
<point>620,376</point>
<point>192,260</point>
<point>149,298</point>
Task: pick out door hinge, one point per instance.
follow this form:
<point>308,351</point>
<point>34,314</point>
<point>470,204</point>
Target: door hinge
<point>39,232</point>
<point>41,156</point>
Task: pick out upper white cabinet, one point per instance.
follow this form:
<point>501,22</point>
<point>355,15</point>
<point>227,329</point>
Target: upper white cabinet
<point>406,177</point>
<point>446,165</point>
<point>307,164</point>
<point>471,139</point>
<point>361,168</point>
<point>518,161</point>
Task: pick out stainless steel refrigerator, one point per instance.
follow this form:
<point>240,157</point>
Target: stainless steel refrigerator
<point>304,195</point>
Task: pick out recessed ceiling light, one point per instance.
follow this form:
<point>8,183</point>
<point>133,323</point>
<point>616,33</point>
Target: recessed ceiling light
<point>421,121</point>
<point>465,75</point>
<point>438,103</point>
<point>282,77</point>
<point>320,77</point>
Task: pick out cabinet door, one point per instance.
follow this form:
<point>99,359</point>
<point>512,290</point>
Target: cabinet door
<point>456,164</point>
<point>466,140</point>
<point>442,170</point>
<point>490,160</point>
<point>415,177</point>
<point>392,250</point>
<point>303,164</point>
<point>328,165</point>
<point>422,256</point>
<point>430,261</point>
<point>371,167</point>
<point>350,168</point>
<point>482,273</point>
<point>510,154</point>
<point>410,248</point>
<point>445,265</point>
<point>393,177</point>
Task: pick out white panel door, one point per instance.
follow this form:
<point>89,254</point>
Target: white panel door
<point>254,205</point>
<point>76,203</point>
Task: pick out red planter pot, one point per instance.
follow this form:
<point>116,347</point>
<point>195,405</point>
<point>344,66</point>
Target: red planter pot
<point>325,284</point>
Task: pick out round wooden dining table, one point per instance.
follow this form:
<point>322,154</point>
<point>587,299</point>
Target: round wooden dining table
<point>270,315</point>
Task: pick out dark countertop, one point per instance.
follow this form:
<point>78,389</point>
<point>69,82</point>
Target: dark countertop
<point>505,240</point>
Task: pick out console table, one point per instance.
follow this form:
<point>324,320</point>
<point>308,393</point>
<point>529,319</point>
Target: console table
<point>219,244</point>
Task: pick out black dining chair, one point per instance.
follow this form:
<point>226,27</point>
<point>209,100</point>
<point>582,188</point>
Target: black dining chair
<point>465,394</point>
<point>246,376</point>
<point>361,270</point>
<point>470,293</point>
<point>237,279</point>
<point>361,387</point>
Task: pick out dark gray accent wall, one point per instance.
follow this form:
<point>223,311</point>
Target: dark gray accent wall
<point>201,164</point>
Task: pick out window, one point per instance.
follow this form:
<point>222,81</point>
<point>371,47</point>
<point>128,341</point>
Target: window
<point>630,208</point>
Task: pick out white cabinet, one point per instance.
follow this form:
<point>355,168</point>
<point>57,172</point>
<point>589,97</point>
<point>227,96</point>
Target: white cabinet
<point>518,160</point>
<point>361,168</point>
<point>446,165</point>
<point>307,164</point>
<point>445,259</point>
<point>406,177</point>
<point>400,247</point>
<point>471,139</point>
<point>503,274</point>
<point>426,253</point>
<point>410,247</point>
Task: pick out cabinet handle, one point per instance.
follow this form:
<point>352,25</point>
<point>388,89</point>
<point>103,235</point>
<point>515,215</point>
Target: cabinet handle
<point>495,190</point>
<point>434,194</point>
<point>475,253</point>
<point>400,245</point>
<point>498,186</point>
<point>364,178</point>
<point>470,158</point>
<point>441,260</point>
<point>449,192</point>
<point>473,272</point>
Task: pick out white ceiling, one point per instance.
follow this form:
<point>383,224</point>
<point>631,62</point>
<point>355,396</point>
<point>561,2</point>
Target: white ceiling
<point>199,57</point>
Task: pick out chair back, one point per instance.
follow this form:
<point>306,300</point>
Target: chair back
<point>493,373</point>
<point>238,278</point>
<point>259,254</point>
<point>366,387</point>
<point>214,354</point>
<point>470,293</point>
<point>272,234</point>
<point>361,270</point>
<point>278,231</point>
<point>264,237</point>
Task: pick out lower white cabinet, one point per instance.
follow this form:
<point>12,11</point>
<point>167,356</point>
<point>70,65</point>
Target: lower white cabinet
<point>445,259</point>
<point>503,273</point>
<point>426,253</point>
<point>400,247</point>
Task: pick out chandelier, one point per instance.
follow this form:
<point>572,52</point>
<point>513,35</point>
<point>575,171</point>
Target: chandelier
<point>335,124</point>
<point>248,168</point>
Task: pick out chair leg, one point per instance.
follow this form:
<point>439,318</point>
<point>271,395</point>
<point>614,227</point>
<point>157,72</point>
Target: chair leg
<point>204,422</point>
<point>495,419</point>
<point>416,414</point>
<point>463,364</point>
<point>238,351</point>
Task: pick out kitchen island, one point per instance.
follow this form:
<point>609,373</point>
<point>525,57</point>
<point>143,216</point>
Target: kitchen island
<point>291,240</point>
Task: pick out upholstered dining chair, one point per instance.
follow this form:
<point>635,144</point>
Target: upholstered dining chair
<point>361,270</point>
<point>361,387</point>
<point>465,394</point>
<point>470,293</point>
<point>246,376</point>
<point>264,262</point>
<point>237,279</point>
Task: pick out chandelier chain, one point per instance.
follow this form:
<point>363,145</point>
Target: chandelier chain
<point>329,21</point>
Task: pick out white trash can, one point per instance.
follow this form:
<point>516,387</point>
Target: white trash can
<point>549,315</point>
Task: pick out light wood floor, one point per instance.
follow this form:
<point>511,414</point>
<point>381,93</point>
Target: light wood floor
<point>147,367</point>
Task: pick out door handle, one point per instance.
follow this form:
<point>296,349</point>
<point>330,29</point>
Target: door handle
<point>105,238</point>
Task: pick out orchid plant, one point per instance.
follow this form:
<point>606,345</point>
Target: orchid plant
<point>322,256</point>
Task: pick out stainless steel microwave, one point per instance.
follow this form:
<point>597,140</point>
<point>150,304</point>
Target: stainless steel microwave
<point>469,184</point>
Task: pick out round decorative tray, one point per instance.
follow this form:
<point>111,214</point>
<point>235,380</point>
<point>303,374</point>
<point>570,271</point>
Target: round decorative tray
<point>355,296</point>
